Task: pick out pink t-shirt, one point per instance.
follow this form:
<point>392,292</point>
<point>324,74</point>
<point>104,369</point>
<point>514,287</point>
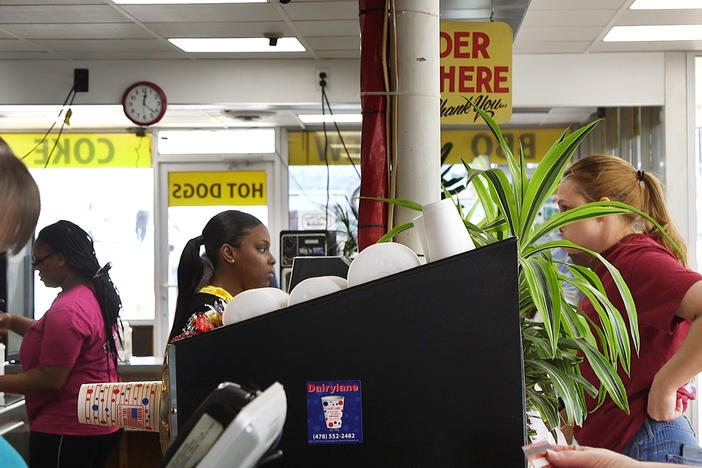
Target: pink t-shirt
<point>70,334</point>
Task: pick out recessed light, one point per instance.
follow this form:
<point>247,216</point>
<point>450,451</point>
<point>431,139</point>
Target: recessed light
<point>237,44</point>
<point>161,2</point>
<point>666,5</point>
<point>674,32</point>
<point>329,118</point>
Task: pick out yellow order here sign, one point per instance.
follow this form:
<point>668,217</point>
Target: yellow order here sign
<point>101,150</point>
<point>476,66</point>
<point>240,188</point>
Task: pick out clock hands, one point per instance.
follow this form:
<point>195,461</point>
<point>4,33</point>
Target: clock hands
<point>143,103</point>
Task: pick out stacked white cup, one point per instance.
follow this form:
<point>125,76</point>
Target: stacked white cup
<point>444,230</point>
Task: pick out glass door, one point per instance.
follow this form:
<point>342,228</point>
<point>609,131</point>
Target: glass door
<point>190,193</point>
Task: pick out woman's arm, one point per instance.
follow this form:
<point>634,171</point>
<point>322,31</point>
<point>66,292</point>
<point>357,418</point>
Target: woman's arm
<point>15,323</point>
<point>686,363</point>
<point>39,379</point>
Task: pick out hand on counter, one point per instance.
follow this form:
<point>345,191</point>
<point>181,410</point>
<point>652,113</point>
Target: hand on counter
<point>578,456</point>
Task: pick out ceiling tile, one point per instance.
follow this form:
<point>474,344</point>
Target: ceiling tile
<point>550,47</point>
<point>541,33</point>
<point>327,10</point>
<point>39,55</point>
<point>17,45</point>
<point>334,43</point>
<point>201,13</point>
<point>108,45</point>
<point>332,54</point>
<point>576,4</point>
<point>120,55</point>
<point>239,29</point>
<point>50,14</point>
<point>78,31</point>
<point>663,46</point>
<point>566,18</point>
<point>329,28</point>
<point>637,17</point>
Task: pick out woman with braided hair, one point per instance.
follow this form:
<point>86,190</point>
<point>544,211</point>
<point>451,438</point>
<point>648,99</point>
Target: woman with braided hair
<point>75,342</point>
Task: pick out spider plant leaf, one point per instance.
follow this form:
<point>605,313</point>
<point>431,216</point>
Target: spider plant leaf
<point>394,231</point>
<point>544,286</point>
<point>514,168</point>
<point>544,407</point>
<point>398,201</point>
<point>565,388</point>
<point>548,175</point>
<point>622,288</point>
<point>606,374</point>
<point>498,181</point>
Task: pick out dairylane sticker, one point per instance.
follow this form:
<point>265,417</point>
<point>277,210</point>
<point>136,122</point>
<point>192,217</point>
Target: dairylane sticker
<point>334,412</point>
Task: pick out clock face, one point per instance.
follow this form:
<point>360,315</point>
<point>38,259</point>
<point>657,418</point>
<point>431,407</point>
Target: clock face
<point>144,103</point>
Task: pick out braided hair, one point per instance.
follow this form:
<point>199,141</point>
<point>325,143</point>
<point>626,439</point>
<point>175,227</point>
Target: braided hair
<point>77,248</point>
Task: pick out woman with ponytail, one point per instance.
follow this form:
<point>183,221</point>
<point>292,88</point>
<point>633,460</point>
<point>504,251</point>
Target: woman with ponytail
<point>668,299</point>
<point>236,257</point>
<point>75,342</point>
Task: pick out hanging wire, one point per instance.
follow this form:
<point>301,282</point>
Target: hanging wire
<point>63,124</point>
<point>338,131</point>
<point>72,90</point>
<point>323,83</point>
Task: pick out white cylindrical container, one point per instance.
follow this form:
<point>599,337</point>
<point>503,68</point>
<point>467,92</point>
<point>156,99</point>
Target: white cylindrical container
<point>445,232</point>
<point>124,352</point>
<point>421,236</point>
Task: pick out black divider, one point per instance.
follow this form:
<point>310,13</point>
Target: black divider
<point>437,350</point>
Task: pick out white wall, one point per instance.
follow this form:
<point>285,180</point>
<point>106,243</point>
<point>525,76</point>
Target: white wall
<point>608,80</point>
<point>184,81</point>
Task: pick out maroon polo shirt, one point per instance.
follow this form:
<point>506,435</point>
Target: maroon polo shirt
<point>658,283</point>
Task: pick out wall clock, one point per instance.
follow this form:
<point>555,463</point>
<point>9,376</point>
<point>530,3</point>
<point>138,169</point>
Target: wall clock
<point>144,103</point>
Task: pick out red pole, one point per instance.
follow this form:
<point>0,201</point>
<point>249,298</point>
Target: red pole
<point>372,215</point>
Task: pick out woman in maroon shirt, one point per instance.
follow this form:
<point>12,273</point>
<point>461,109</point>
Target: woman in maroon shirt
<point>668,299</point>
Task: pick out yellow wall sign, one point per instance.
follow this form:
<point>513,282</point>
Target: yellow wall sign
<point>239,188</point>
<point>81,149</point>
<point>307,148</point>
<point>468,144</point>
<point>476,66</point>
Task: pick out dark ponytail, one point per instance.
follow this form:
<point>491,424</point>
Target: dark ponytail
<point>227,227</point>
<point>77,248</point>
<point>190,270</point>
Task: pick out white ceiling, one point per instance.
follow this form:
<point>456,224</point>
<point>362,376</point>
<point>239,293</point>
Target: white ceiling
<point>329,29</point>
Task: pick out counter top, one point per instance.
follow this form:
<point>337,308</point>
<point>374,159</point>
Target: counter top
<point>137,368</point>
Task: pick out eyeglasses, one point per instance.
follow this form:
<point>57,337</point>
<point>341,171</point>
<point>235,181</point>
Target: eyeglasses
<point>38,261</point>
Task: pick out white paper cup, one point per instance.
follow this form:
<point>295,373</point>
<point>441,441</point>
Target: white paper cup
<point>124,404</point>
<point>445,232</point>
<point>252,303</point>
<point>379,260</point>
<point>421,236</point>
<point>312,288</point>
<point>333,406</point>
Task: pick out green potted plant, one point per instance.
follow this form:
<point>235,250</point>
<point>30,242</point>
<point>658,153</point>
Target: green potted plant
<point>556,335</point>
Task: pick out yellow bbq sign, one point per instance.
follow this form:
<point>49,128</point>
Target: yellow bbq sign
<point>239,188</point>
<point>476,66</point>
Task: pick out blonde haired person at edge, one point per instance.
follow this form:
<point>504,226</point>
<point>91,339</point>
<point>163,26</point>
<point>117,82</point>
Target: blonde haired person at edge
<point>668,299</point>
<point>19,212</point>
<point>237,257</point>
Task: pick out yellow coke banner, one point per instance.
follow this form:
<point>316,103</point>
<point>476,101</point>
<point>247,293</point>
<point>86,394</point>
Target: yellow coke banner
<point>101,150</point>
<point>476,66</point>
<point>238,188</point>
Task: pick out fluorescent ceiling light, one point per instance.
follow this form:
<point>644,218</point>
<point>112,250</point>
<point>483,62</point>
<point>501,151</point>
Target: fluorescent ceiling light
<point>666,5</point>
<point>155,2</point>
<point>237,44</point>
<point>329,118</point>
<point>676,32</point>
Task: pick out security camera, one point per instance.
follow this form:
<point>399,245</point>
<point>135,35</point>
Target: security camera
<point>284,2</point>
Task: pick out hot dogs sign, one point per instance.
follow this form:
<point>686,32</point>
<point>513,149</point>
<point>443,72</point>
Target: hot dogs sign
<point>476,66</point>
